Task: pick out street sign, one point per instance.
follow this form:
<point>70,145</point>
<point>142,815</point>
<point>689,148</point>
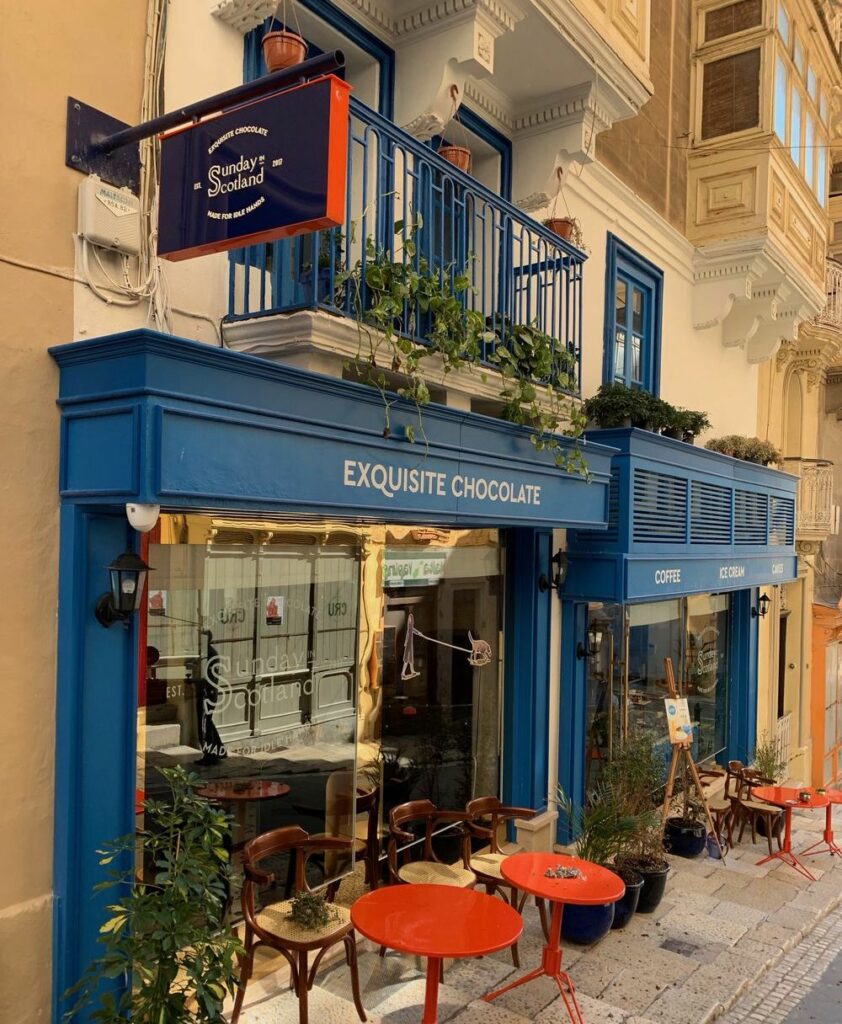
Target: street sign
<point>269,169</point>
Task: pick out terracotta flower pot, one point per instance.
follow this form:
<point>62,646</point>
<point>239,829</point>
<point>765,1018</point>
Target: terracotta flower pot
<point>562,226</point>
<point>459,156</point>
<point>283,50</point>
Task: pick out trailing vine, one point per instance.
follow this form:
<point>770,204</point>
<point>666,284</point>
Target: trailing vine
<point>396,293</point>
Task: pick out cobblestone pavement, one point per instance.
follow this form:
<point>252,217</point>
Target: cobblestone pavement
<point>805,987</point>
<point>718,931</point>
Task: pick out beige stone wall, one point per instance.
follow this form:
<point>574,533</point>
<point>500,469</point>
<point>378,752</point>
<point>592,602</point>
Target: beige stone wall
<point>646,151</point>
<point>93,50</point>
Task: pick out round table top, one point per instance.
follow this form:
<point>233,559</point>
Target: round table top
<point>787,796</point>
<point>243,789</point>
<point>527,872</point>
<point>436,920</point>
<point>834,796</point>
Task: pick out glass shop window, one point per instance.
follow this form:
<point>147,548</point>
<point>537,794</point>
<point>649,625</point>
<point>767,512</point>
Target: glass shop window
<point>294,665</point>
<point>626,680</point>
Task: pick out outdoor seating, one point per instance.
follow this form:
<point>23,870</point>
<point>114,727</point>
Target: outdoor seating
<point>486,814</point>
<point>720,805</point>
<point>749,811</point>
<point>271,926</point>
<point>403,843</point>
<point>341,818</point>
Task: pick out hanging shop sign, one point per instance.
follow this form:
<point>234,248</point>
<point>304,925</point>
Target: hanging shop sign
<point>270,169</point>
<point>654,577</point>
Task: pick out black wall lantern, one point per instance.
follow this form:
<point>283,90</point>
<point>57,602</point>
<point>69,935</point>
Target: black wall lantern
<point>560,562</point>
<point>593,642</point>
<point>762,607</point>
<point>128,579</point>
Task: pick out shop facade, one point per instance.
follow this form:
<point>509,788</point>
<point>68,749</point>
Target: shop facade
<point>693,539</point>
<point>327,602</point>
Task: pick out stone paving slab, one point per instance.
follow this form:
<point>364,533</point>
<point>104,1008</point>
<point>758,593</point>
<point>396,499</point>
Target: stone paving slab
<point>721,935</point>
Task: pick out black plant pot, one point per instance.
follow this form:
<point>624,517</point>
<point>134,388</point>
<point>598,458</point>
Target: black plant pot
<point>684,838</point>
<point>652,892</point>
<point>584,925</point>
<point>624,909</point>
<point>761,825</point>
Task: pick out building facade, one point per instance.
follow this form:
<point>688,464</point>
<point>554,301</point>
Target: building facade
<point>457,615</point>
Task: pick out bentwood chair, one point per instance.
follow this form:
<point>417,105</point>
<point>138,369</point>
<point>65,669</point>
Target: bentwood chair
<point>403,844</point>
<point>366,848</point>
<point>753,811</point>
<point>486,814</point>
<point>270,925</point>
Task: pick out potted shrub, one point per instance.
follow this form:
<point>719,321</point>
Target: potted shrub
<point>694,423</point>
<point>615,405</point>
<point>166,935</point>
<point>282,48</point>
<point>750,449</point>
<point>768,762</point>
<point>602,830</point>
<point>637,776</point>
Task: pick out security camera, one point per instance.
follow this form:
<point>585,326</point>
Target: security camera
<point>142,517</point>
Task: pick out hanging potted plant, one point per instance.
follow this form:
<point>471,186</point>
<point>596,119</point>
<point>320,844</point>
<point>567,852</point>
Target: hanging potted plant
<point>282,48</point>
<point>459,156</point>
<point>563,225</point>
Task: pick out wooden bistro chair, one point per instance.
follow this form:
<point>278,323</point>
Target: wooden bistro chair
<point>720,806</point>
<point>750,810</point>
<point>485,816</point>
<point>342,815</point>
<point>270,925</point>
<point>404,868</point>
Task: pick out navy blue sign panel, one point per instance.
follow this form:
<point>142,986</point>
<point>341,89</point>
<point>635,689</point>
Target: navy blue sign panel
<point>667,577</point>
<point>270,169</point>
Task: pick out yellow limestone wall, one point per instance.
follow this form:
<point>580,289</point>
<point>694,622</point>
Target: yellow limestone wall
<point>94,51</point>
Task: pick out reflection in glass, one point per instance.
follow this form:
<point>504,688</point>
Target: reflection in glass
<point>621,301</point>
<point>635,357</point>
<point>637,310</point>
<point>706,672</point>
<point>620,354</point>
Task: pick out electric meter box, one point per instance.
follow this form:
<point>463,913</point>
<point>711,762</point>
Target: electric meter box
<point>109,216</point>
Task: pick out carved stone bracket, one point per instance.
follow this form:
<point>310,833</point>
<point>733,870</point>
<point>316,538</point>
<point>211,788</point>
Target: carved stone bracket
<point>807,548</point>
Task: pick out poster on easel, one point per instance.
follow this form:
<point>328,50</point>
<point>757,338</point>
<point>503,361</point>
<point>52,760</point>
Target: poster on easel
<point>678,720</point>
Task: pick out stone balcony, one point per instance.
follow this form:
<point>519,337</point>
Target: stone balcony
<point>815,515</point>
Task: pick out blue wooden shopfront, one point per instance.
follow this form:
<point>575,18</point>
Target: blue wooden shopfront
<point>154,419</point>
<point>683,522</point>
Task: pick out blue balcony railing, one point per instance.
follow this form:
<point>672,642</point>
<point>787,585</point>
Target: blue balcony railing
<point>520,272</point>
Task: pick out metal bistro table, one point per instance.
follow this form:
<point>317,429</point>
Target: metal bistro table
<point>834,796</point>
<point>241,792</point>
<point>787,798</point>
<point>593,886</point>
<point>436,921</point>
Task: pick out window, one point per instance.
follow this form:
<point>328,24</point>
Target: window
<point>821,175</point>
<point>780,98</point>
<point>809,151</point>
<point>737,17</point>
<point>783,23</point>
<point>731,94</point>
<point>799,58</point>
<point>633,300</point>
<point>813,85</point>
<point>795,127</point>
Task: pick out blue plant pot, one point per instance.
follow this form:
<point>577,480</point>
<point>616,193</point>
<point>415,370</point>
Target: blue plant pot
<point>684,839</point>
<point>586,925</point>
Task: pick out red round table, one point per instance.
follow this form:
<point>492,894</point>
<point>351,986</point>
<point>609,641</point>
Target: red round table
<point>787,798</point>
<point>595,885</point>
<point>834,797</point>
<point>241,792</point>
<point>438,922</point>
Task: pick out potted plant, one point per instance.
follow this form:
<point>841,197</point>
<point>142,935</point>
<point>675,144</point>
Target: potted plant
<point>768,762</point>
<point>564,226</point>
<point>615,405</point>
<point>329,262</point>
<point>166,936</point>
<point>602,830</point>
<point>311,910</point>
<point>750,449</point>
<point>459,156</point>
<point>637,774</point>
<point>685,834</point>
<point>282,48</point>
<point>694,423</point>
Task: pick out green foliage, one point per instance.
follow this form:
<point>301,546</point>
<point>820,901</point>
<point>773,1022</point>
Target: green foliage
<point>637,775</point>
<point>396,292</point>
<point>767,759</point>
<point>166,938</point>
<point>750,449</point>
<point>616,405</point>
<point>311,910</point>
<point>603,827</point>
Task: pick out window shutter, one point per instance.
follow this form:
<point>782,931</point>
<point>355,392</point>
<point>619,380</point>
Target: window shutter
<point>738,17</point>
<point>731,94</point>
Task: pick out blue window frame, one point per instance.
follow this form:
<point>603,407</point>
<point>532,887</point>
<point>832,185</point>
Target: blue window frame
<point>633,309</point>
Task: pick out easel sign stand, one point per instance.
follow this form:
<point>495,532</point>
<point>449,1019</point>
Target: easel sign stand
<point>681,736</point>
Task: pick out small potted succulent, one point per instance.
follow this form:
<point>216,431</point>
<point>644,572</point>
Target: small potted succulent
<point>283,48</point>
